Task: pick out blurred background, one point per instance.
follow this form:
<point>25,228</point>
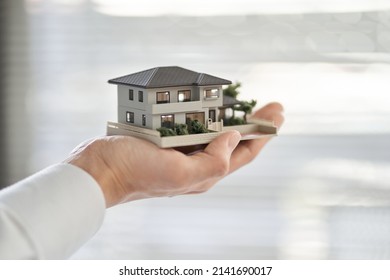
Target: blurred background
<point>320,190</point>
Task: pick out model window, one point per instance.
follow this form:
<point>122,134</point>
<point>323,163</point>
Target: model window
<point>199,116</point>
<point>162,97</point>
<point>130,117</point>
<point>140,96</point>
<point>211,93</point>
<point>143,120</point>
<point>131,94</point>
<point>184,95</point>
<point>168,121</point>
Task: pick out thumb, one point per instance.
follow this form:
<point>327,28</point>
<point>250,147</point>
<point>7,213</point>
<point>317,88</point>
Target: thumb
<point>223,146</point>
<point>214,161</point>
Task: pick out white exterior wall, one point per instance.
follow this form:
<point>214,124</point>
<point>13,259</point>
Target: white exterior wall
<point>137,116</point>
<point>197,104</point>
<point>123,97</point>
<point>207,103</point>
<point>124,104</point>
<point>211,104</point>
<point>156,121</point>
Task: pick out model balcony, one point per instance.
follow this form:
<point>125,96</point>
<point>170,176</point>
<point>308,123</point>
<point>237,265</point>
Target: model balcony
<point>178,107</point>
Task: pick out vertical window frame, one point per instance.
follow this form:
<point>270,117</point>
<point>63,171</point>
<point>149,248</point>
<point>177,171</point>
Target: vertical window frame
<point>129,117</point>
<point>184,93</point>
<point>208,93</point>
<point>163,94</point>
<point>131,94</point>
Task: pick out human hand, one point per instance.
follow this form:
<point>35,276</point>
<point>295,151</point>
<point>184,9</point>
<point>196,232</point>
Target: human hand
<point>129,168</point>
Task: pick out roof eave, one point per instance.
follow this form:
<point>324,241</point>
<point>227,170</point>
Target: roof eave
<point>167,86</point>
<point>219,84</point>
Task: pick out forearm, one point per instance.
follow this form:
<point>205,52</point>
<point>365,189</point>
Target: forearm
<point>50,214</point>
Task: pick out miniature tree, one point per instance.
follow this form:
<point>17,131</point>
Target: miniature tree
<point>243,106</point>
<point>232,90</point>
<point>246,107</point>
<point>234,121</point>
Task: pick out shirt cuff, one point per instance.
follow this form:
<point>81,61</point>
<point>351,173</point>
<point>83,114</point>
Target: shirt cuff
<point>57,210</point>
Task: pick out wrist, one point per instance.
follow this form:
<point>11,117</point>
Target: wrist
<point>87,159</point>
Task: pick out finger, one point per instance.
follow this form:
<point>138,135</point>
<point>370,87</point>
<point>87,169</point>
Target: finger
<point>267,111</point>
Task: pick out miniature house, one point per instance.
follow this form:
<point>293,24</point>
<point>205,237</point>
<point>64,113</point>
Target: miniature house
<point>163,96</point>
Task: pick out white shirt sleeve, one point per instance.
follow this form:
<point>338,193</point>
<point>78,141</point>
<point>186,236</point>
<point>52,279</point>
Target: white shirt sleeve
<point>50,214</point>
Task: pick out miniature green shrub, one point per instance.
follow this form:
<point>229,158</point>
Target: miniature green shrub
<point>196,127</point>
<point>181,129</point>
<point>234,121</point>
<point>165,131</point>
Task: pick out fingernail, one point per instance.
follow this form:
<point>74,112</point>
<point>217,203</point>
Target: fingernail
<point>234,140</point>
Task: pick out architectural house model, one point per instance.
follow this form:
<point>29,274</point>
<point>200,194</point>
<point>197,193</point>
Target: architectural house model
<point>165,96</point>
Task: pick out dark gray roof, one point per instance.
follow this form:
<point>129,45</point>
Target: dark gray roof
<point>168,76</point>
<point>229,101</point>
